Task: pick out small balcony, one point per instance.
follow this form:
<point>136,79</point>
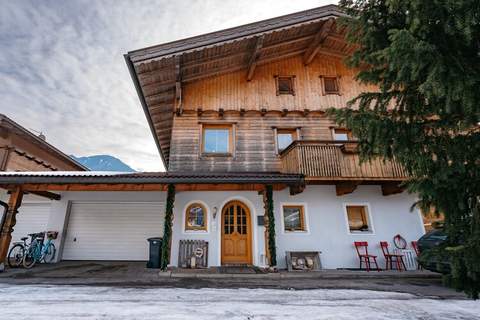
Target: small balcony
<point>338,162</point>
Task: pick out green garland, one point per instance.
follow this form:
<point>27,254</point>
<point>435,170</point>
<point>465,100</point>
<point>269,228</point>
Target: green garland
<point>167,228</point>
<point>271,226</point>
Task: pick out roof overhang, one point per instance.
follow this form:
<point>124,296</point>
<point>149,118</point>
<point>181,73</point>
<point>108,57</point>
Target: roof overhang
<point>160,71</point>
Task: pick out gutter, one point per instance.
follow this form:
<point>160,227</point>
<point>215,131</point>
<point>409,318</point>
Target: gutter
<point>169,179</point>
<point>136,82</point>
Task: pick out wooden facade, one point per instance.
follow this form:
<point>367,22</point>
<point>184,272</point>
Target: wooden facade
<point>232,92</point>
<point>230,79</point>
<point>254,140</point>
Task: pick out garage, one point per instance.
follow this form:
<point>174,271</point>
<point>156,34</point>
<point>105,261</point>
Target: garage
<point>31,218</point>
<point>112,230</point>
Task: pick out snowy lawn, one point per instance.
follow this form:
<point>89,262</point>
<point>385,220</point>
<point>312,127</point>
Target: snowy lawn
<point>85,302</point>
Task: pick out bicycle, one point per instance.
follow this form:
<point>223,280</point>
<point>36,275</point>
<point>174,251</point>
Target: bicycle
<point>16,253</point>
<point>38,251</point>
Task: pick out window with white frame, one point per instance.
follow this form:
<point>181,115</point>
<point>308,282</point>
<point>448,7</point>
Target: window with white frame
<point>358,219</point>
<point>293,218</point>
<point>196,217</point>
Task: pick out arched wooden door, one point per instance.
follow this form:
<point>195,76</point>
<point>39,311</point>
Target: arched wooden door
<point>236,234</point>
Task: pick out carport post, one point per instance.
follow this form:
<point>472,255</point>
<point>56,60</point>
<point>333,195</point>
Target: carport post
<point>269,220</point>
<point>10,219</point>
<point>167,228</point>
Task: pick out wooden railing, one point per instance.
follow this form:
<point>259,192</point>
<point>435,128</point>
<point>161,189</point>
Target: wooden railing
<point>333,160</point>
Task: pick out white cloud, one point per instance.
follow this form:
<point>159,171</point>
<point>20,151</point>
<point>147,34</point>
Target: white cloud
<point>62,70</point>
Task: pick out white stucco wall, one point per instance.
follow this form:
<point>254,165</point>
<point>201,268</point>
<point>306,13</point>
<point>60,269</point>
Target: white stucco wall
<point>212,200</point>
<point>327,227</point>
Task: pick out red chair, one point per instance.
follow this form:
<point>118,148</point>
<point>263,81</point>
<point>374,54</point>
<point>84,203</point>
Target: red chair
<point>389,257</point>
<point>368,259</point>
<point>417,252</point>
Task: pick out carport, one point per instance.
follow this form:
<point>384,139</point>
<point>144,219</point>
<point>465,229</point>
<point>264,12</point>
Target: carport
<point>97,228</point>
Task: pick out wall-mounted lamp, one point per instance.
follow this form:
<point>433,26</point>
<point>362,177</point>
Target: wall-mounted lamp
<point>215,209</point>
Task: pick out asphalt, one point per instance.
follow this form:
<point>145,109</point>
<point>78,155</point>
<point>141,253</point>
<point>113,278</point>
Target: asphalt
<point>135,274</point>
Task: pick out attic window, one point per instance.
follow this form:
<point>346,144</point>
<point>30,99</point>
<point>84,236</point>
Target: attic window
<point>330,85</point>
<point>285,85</point>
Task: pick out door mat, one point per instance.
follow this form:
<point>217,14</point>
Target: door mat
<point>239,270</point>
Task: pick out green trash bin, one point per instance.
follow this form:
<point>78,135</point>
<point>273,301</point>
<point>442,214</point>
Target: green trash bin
<point>155,255</point>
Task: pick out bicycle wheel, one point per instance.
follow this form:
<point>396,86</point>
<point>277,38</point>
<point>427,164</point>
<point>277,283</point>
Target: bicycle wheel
<point>15,255</point>
<point>29,258</point>
<point>49,253</point>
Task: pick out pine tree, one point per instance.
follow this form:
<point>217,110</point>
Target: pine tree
<point>424,58</point>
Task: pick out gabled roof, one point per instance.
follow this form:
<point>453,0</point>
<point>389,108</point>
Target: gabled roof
<point>158,72</point>
<point>9,124</point>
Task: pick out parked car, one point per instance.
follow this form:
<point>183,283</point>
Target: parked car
<point>430,258</point>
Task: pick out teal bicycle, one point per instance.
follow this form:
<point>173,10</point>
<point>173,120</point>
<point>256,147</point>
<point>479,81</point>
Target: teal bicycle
<point>40,250</point>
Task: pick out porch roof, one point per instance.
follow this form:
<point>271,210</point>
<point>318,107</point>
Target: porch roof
<point>108,177</point>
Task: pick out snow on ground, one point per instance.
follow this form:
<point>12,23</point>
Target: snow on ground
<point>86,302</point>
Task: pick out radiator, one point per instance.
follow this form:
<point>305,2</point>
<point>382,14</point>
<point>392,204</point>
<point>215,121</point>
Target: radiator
<point>191,248</point>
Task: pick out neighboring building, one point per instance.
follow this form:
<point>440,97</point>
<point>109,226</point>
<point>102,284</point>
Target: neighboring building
<point>21,150</point>
<point>234,113</point>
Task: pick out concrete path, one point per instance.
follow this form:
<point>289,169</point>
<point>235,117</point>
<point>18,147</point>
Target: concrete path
<point>134,274</point>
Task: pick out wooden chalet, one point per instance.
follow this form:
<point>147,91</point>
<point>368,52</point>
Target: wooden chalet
<point>256,171</point>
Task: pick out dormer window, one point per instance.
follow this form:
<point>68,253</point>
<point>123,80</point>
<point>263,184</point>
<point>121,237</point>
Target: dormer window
<point>285,85</point>
<point>330,85</point>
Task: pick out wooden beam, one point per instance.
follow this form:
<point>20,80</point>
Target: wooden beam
<point>343,188</point>
<point>317,41</point>
<point>47,194</point>
<point>391,188</point>
<point>178,86</point>
<point>9,222</point>
<point>144,187</point>
<point>254,57</point>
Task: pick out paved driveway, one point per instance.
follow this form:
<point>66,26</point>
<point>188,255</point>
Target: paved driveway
<point>91,302</point>
<point>134,274</point>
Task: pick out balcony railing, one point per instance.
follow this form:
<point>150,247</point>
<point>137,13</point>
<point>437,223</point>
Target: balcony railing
<point>334,160</point>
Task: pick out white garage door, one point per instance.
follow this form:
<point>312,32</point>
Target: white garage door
<point>112,230</point>
<point>31,218</point>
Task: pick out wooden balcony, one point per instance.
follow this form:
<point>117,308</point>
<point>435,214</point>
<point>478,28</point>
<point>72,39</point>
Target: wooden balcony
<point>338,162</point>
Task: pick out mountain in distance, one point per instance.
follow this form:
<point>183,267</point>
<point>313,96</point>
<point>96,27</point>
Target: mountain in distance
<point>103,163</point>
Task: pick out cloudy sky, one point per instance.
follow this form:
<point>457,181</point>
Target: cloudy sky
<point>62,70</point>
